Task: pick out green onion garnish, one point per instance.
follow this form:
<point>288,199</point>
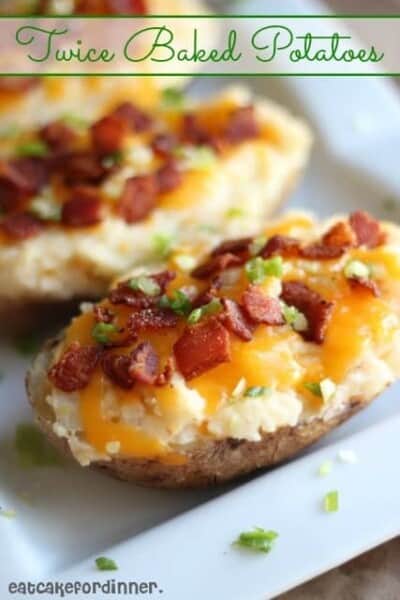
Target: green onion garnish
<point>101,332</point>
<point>208,309</point>
<point>256,390</point>
<point>325,468</point>
<point>172,97</point>
<point>75,121</point>
<point>356,269</point>
<point>257,269</point>
<point>257,245</point>
<point>294,318</point>
<point>314,388</point>
<point>235,213</point>
<point>112,160</point>
<point>331,501</point>
<point>258,540</point>
<point>45,209</point>
<point>144,284</point>
<point>106,564</point>
<point>196,158</point>
<point>179,303</point>
<point>34,148</point>
<point>163,244</point>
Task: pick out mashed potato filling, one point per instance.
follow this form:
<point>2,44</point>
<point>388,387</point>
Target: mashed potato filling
<point>276,379</point>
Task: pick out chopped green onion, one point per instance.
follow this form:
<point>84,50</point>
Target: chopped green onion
<point>185,262</point>
<point>144,284</point>
<point>101,332</point>
<point>45,209</point>
<point>27,344</point>
<point>34,148</point>
<point>257,390</point>
<point>294,318</point>
<point>207,309</point>
<point>257,245</point>
<point>112,160</point>
<point>172,97</point>
<point>163,244</point>
<point>235,213</point>
<point>75,121</point>
<point>331,501</point>
<point>258,540</point>
<point>257,269</point>
<point>179,303</point>
<point>356,269</point>
<point>106,564</point>
<point>196,158</point>
<point>314,388</point>
<point>32,448</point>
<point>325,468</point>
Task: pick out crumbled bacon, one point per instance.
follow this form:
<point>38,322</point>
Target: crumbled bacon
<point>168,177</point>
<point>102,314</point>
<point>283,245</point>
<point>144,364</point>
<point>334,243</point>
<point>163,144</point>
<point>367,229</point>
<point>135,118</point>
<point>216,264</point>
<point>151,318</point>
<point>192,131</point>
<point>83,208</point>
<point>242,125</point>
<point>124,294</point>
<point>236,321</point>
<point>108,134</point>
<point>72,372</point>
<point>362,283</point>
<point>141,365</point>
<point>202,347</point>
<point>58,136</point>
<point>81,167</point>
<point>14,187</point>
<point>316,310</point>
<point>21,226</point>
<point>239,246</point>
<point>261,308</point>
<point>138,198</point>
<point>116,7</point>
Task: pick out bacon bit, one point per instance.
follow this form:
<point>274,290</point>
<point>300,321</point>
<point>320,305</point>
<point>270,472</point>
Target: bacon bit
<point>216,265</point>
<point>365,284</point>
<point>35,170</point>
<point>141,365</point>
<point>135,118</point>
<point>116,7</point>
<point>242,125</point>
<point>138,198</point>
<point>124,294</point>
<point>163,144</point>
<point>168,177</point>
<point>367,229</point>
<point>192,130</point>
<point>316,310</point>
<point>58,136</point>
<point>108,134</point>
<point>236,321</point>
<point>166,375</point>
<point>102,314</point>
<point>144,364</point>
<point>334,244</point>
<point>152,318</point>
<point>14,188</point>
<point>81,167</point>
<point>238,246</point>
<point>202,347</point>
<point>83,208</point>
<point>116,367</point>
<point>21,226</point>
<point>207,295</point>
<point>283,245</point>
<point>261,308</point>
<point>72,372</point>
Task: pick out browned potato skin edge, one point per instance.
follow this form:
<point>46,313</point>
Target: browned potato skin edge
<point>209,462</point>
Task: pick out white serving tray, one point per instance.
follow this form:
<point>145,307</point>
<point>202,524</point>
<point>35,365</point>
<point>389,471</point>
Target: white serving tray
<point>74,515</point>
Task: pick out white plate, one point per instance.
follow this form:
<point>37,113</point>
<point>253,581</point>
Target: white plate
<point>76,515</point>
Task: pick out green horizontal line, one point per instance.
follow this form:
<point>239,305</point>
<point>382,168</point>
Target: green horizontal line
<point>379,74</point>
<point>208,16</point>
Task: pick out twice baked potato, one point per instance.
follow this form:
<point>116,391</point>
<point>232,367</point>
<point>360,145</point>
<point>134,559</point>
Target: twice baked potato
<point>81,204</point>
<point>193,374</point>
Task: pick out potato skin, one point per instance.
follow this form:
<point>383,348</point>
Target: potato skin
<point>209,462</point>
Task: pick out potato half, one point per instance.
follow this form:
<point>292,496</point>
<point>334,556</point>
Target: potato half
<point>204,369</point>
